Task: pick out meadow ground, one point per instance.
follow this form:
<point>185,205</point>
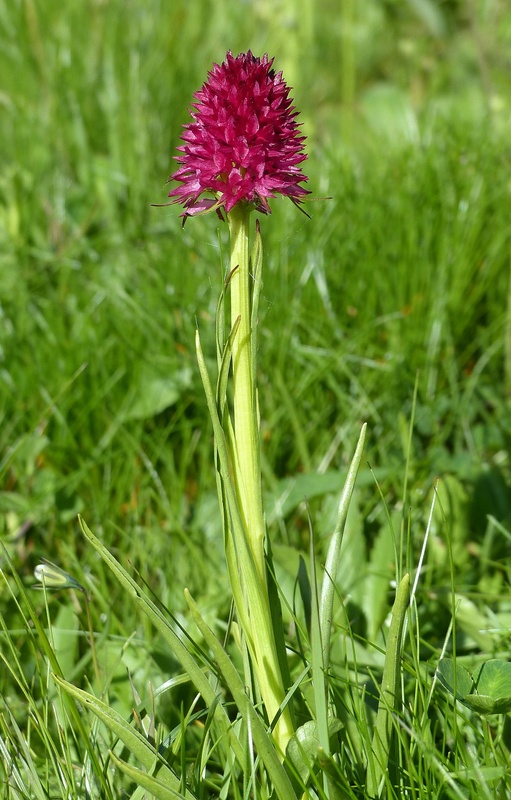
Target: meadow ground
<point>391,305</point>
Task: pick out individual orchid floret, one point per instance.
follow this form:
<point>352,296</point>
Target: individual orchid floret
<point>243,144</point>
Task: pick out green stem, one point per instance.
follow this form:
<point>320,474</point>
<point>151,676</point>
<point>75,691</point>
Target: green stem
<point>261,635</point>
<point>246,426</point>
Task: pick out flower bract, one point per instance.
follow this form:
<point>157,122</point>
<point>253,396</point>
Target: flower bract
<point>243,144</point>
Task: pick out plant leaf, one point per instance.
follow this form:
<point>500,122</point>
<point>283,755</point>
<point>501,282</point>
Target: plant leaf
<point>156,787</point>
<point>389,692</point>
<point>291,491</point>
<point>304,748</point>
<point>256,270</point>
<point>154,393</point>
<point>137,744</point>
<point>493,678</point>
<point>161,623</point>
<point>334,550</point>
<point>492,681</point>
<point>488,705</point>
<point>455,678</point>
<point>262,739</point>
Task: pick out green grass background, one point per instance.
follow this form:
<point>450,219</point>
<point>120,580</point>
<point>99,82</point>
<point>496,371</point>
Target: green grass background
<point>389,306</point>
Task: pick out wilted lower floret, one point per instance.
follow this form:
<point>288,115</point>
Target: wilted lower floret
<point>243,144</point>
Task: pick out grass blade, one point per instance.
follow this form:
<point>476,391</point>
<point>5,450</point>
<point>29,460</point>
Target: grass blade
<point>334,551</point>
<point>388,704</point>
<point>193,670</point>
<point>157,788</point>
<point>134,741</point>
<point>262,739</point>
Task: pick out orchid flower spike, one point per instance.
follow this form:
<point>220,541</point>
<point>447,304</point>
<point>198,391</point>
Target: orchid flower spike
<point>243,144</point>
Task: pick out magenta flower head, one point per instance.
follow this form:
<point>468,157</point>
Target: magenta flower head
<point>243,144</point>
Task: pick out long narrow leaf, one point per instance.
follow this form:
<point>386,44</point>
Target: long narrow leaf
<point>223,372</point>
<point>262,739</point>
<point>317,655</point>
<point>334,551</point>
<point>256,270</point>
<point>193,670</point>
<point>137,744</point>
<point>155,787</point>
<point>41,642</point>
<point>389,691</point>
<point>244,561</point>
<point>227,496</point>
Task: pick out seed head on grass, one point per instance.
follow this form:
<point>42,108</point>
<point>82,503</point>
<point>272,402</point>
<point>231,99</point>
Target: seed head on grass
<point>53,577</point>
<point>243,144</point>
